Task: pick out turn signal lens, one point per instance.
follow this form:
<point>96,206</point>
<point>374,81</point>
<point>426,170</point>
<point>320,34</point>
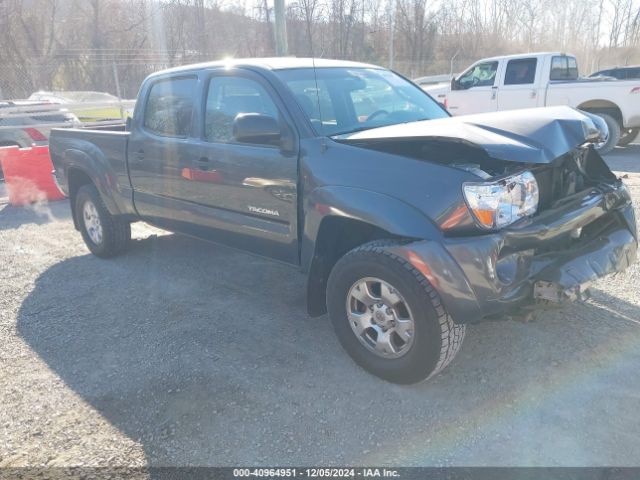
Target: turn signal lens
<point>500,203</point>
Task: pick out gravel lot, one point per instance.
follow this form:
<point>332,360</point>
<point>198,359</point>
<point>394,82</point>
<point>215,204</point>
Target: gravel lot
<point>186,353</point>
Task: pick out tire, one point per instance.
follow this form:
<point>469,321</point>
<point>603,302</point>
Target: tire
<point>91,212</point>
<point>628,136</point>
<point>435,339</point>
<point>614,134</point>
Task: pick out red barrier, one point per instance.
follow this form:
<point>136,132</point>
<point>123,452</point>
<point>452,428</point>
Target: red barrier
<point>27,175</point>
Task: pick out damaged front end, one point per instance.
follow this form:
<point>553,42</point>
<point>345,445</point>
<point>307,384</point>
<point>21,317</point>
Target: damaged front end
<point>582,228</point>
<point>583,234</point>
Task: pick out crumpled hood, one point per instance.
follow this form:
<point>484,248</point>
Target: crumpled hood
<point>534,135</point>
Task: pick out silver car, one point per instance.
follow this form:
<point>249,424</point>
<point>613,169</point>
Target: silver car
<point>26,123</point>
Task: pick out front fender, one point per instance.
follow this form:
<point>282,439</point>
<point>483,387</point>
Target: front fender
<point>425,249</point>
<point>382,211</point>
<point>435,263</point>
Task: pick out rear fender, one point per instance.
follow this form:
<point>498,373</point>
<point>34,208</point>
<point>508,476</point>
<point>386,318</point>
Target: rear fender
<point>96,167</point>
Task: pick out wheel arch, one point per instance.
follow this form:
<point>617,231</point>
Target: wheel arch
<point>82,169</point>
<point>338,219</point>
<point>603,106</point>
<point>337,235</point>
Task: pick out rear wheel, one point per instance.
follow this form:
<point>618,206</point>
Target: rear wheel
<point>104,234</point>
<point>388,317</point>
<point>614,134</point>
<point>628,136</point>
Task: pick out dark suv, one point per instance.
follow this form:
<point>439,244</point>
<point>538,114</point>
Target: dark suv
<point>619,73</point>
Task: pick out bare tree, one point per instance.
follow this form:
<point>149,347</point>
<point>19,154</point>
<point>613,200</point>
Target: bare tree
<point>77,44</point>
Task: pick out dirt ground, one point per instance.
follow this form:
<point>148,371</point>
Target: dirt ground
<point>186,353</point>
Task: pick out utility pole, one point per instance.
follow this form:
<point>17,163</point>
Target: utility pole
<point>392,29</point>
<point>280,28</point>
<point>117,80</point>
<point>270,33</point>
<point>453,59</point>
<point>201,28</point>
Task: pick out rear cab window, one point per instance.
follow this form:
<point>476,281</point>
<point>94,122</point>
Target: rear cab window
<point>169,107</point>
<point>563,68</point>
<point>521,71</point>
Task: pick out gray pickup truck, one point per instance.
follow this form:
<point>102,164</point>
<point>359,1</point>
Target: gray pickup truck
<point>409,223</point>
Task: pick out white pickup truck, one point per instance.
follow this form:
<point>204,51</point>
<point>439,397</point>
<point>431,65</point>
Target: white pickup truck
<point>540,80</point>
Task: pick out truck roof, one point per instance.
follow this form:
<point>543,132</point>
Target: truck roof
<point>269,63</point>
<point>526,55</point>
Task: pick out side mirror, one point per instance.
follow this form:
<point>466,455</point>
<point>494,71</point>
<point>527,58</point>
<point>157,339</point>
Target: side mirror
<point>454,84</point>
<point>256,128</point>
<point>127,124</point>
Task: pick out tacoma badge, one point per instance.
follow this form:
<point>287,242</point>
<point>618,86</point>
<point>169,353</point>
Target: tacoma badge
<point>264,211</point>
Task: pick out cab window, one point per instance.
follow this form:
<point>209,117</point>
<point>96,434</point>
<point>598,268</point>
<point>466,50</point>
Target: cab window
<point>563,68</point>
<point>229,96</point>
<point>169,107</point>
<point>480,75</point>
<point>521,71</point>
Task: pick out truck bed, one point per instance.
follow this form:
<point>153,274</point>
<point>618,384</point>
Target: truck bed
<point>603,94</point>
<point>99,153</point>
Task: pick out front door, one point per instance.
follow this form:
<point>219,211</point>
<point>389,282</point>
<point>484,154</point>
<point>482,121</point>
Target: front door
<point>246,192</point>
<point>475,90</point>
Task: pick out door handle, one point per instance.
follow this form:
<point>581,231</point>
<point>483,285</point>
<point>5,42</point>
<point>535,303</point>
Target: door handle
<point>533,94</point>
<point>494,91</point>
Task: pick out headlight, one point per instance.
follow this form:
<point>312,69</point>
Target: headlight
<point>498,204</point>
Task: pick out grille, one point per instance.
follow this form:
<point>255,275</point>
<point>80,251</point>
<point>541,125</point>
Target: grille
<point>560,180</point>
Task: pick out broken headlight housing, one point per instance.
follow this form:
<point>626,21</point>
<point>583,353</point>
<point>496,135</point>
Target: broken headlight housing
<point>500,203</point>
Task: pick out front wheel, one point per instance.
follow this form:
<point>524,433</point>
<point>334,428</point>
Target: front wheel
<point>614,134</point>
<point>388,317</point>
<point>104,234</point>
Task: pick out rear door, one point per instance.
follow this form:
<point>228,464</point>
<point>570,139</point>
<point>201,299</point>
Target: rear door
<point>517,88</point>
<point>159,145</point>
<point>475,90</point>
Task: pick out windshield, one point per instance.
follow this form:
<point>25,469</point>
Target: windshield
<point>346,100</point>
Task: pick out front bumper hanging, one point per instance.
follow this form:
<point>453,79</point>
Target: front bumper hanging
<point>554,256</point>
